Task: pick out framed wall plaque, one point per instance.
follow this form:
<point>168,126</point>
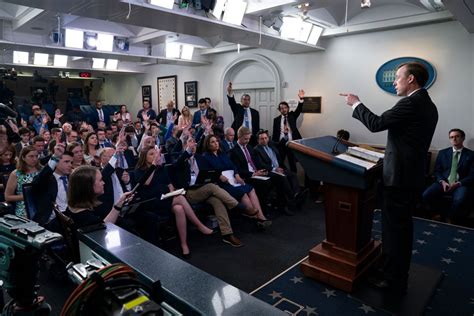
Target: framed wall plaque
<point>167,90</point>
<point>312,105</point>
<point>190,94</point>
<point>146,94</point>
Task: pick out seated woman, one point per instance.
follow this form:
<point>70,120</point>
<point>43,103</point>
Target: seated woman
<point>27,168</point>
<point>244,193</point>
<point>78,154</point>
<point>91,144</point>
<point>157,184</point>
<point>85,185</point>
<point>7,159</point>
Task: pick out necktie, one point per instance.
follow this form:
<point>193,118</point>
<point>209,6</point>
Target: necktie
<point>120,161</point>
<point>285,125</point>
<point>101,115</point>
<point>194,167</point>
<point>231,145</point>
<point>454,168</point>
<point>272,156</point>
<point>246,118</point>
<point>249,158</point>
<point>64,181</point>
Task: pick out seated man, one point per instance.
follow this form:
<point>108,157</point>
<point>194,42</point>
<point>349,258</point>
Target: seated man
<point>454,172</point>
<point>286,182</point>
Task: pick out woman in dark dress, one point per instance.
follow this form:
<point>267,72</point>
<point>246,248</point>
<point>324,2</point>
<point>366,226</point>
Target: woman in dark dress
<point>157,184</point>
<point>85,185</point>
<point>244,193</point>
<point>7,159</point>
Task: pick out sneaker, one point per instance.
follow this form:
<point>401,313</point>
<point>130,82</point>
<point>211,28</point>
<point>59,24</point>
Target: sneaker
<point>232,240</point>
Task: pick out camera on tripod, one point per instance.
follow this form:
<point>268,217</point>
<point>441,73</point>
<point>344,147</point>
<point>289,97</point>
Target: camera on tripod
<point>21,244</point>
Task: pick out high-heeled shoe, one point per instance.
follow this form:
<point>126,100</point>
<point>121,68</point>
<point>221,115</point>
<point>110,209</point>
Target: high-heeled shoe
<point>186,256</point>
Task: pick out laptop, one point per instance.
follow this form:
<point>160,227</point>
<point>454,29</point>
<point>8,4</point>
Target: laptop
<point>207,176</point>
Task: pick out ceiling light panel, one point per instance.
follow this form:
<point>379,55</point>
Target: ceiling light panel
<point>60,60</point>
<point>305,30</point>
<point>316,32</point>
<point>111,64</point>
<point>187,52</point>
<point>168,4</point>
<point>98,63</point>
<point>20,57</point>
<point>234,12</point>
<point>74,38</point>
<point>41,59</point>
<point>105,42</point>
<point>291,27</point>
<point>172,50</point>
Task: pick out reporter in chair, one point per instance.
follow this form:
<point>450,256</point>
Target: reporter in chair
<point>85,186</point>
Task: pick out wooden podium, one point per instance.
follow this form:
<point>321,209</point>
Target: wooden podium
<point>349,192</point>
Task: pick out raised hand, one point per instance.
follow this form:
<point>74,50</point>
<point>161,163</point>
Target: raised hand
<point>13,126</point>
<point>23,123</point>
<point>145,116</point>
<point>301,93</point>
<point>57,114</point>
<point>44,120</point>
<point>229,89</point>
<point>59,150</point>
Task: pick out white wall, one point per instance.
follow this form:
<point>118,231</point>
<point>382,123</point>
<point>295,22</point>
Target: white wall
<point>348,65</point>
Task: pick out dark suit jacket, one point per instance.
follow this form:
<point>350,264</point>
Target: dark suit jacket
<point>182,171</point>
<point>225,146</point>
<point>238,112</point>
<point>292,117</point>
<point>238,158</point>
<point>263,160</point>
<point>197,118</point>
<point>162,118</point>
<point>410,124</point>
<point>45,190</point>
<point>465,166</point>
<point>94,117</point>
<point>107,198</point>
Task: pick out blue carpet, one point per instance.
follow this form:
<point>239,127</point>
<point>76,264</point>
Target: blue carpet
<point>444,247</point>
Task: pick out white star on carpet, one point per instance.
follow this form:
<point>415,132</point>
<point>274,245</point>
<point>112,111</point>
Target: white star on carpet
<point>297,280</point>
<point>434,225</point>
<point>310,310</point>
<point>448,260</point>
<point>275,295</point>
<point>427,233</point>
<point>454,250</point>
<point>458,239</point>
<point>375,221</point>
<point>421,241</point>
<point>329,293</point>
<point>414,252</point>
<point>462,231</point>
<point>366,309</point>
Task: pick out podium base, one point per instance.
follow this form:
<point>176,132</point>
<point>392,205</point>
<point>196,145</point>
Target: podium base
<point>338,269</point>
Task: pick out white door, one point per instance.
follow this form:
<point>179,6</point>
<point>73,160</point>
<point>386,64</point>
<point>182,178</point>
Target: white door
<point>262,100</point>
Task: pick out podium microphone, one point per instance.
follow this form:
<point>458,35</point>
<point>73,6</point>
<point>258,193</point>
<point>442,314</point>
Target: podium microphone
<point>334,148</point>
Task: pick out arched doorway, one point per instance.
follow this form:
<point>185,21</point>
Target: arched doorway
<point>257,76</point>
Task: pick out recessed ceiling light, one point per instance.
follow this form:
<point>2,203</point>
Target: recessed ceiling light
<point>41,59</point>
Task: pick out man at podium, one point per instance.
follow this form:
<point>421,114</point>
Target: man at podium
<point>410,124</point>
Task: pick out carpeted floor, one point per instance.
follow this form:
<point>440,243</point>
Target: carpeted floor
<point>440,246</point>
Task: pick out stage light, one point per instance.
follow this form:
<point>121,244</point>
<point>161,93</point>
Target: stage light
<point>60,60</point>
<point>90,41</point>
<point>98,63</point>
<point>74,38</point>
<point>172,50</point>
<point>111,64</point>
<point>316,32</point>
<point>234,12</point>
<point>105,42</point>
<point>20,57</point>
<point>168,4</point>
<point>365,3</point>
<point>187,52</point>
<point>40,59</point>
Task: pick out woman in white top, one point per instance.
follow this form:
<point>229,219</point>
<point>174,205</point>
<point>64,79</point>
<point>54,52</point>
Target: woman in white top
<point>185,118</point>
<point>124,114</point>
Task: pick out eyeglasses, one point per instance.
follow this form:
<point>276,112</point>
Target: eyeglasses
<point>455,136</point>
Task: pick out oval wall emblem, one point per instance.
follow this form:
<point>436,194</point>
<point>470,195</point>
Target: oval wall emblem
<point>386,73</point>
